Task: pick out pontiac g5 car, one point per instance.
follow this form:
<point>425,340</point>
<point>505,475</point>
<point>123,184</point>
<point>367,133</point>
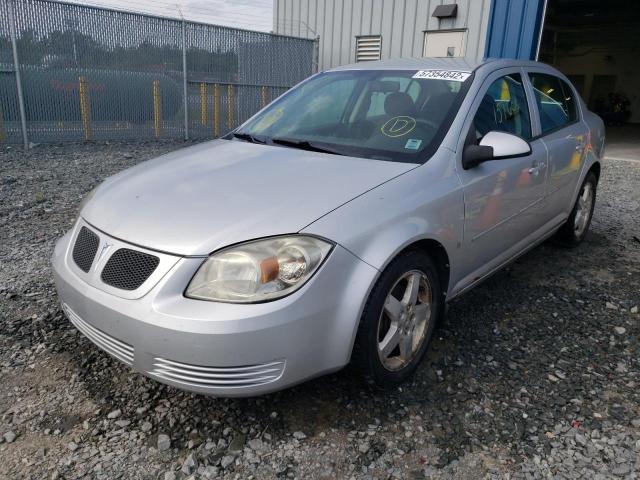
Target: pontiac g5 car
<point>332,226</point>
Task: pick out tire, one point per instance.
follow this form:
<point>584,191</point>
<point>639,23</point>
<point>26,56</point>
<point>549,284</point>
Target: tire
<point>573,232</point>
<point>374,353</point>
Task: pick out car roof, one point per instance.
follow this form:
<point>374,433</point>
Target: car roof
<point>447,63</point>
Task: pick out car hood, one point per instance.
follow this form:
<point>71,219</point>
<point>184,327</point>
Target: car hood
<point>197,200</point>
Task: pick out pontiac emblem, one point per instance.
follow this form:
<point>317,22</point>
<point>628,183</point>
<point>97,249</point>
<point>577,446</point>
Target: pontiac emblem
<point>105,248</point>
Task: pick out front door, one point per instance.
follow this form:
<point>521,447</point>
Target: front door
<point>503,198</point>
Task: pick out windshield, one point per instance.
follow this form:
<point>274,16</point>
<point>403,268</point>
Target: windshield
<point>387,115</point>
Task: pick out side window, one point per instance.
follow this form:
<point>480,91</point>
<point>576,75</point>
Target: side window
<point>504,108</point>
<point>555,101</point>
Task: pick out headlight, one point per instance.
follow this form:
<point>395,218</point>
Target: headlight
<point>260,270</point>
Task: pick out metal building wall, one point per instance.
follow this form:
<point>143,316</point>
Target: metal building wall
<point>400,22</point>
<point>514,28</point>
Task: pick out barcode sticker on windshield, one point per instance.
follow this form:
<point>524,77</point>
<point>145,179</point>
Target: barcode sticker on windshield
<point>453,75</point>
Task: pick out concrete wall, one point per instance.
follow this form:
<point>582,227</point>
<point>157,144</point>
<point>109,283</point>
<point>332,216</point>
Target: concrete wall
<point>400,22</point>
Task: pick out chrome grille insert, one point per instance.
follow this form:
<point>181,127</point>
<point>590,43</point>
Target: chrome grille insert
<point>85,248</point>
<point>112,346</point>
<point>217,377</point>
<point>128,269</point>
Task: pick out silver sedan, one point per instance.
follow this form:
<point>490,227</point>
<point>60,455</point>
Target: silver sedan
<point>331,227</point>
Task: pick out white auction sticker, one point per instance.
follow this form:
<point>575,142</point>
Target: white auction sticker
<point>453,75</point>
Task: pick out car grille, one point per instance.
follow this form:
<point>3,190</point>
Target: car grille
<point>118,349</point>
<point>84,251</point>
<point>128,269</point>
<point>217,377</point>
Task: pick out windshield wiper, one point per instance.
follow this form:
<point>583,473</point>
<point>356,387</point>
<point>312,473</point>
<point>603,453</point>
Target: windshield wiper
<point>247,137</point>
<point>303,145</point>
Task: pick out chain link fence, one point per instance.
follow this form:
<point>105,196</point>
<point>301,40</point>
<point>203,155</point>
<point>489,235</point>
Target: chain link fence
<point>88,73</point>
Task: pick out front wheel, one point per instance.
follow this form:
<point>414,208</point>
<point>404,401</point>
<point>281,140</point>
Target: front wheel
<point>575,229</point>
<point>398,320</point>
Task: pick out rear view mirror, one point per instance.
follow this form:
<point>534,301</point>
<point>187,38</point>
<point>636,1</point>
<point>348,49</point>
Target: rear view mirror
<point>385,86</point>
<point>505,145</point>
<point>495,146</point>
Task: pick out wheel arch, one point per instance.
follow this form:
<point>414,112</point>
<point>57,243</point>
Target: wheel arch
<point>595,168</point>
<point>593,165</point>
<point>438,253</point>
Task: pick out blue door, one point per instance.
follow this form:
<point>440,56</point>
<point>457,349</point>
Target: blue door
<point>514,28</point>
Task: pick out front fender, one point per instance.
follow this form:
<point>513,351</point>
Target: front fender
<point>426,203</point>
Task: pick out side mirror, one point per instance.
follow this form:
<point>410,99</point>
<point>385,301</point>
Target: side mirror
<point>495,146</point>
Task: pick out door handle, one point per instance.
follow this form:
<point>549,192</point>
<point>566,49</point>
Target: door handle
<point>579,147</point>
<point>536,170</point>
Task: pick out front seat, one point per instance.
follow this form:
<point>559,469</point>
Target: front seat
<point>437,107</point>
<point>399,104</point>
<point>485,119</point>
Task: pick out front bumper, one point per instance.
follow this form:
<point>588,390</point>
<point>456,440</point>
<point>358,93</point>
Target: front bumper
<point>218,348</point>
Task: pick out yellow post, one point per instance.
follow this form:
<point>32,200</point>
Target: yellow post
<point>85,107</point>
<point>216,110</point>
<point>3,131</point>
<point>157,111</point>
<point>231,106</point>
<point>265,95</point>
<point>203,103</point>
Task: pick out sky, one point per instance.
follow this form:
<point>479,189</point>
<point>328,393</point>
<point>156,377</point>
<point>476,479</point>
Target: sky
<point>249,14</point>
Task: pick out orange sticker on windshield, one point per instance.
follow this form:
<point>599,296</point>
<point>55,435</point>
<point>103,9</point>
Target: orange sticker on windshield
<point>398,126</point>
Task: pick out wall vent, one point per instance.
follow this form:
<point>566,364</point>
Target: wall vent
<point>446,11</point>
<point>368,48</point>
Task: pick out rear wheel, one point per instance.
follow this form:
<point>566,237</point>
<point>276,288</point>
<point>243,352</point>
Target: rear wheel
<point>398,320</point>
<point>575,229</point>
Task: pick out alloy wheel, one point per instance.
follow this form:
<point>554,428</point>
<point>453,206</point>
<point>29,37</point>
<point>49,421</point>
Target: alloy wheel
<point>583,209</point>
<point>404,320</point>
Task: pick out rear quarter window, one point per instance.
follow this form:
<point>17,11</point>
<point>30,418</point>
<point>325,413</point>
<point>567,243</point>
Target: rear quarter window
<point>555,101</point>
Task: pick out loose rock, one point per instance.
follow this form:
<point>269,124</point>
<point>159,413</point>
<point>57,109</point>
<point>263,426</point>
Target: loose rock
<point>114,414</point>
<point>227,461</point>
<point>189,464</point>
<point>164,442</point>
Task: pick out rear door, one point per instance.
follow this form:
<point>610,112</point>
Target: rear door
<point>564,135</point>
<point>503,198</point>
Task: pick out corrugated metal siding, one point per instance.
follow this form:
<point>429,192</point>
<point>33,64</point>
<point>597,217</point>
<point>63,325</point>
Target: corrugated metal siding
<point>401,23</point>
<point>514,28</point>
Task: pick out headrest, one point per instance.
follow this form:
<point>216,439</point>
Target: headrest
<point>399,103</point>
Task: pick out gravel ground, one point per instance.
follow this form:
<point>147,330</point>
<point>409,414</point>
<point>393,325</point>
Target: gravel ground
<point>534,374</point>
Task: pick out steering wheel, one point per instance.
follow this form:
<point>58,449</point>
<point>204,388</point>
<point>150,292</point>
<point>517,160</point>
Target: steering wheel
<point>430,124</point>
